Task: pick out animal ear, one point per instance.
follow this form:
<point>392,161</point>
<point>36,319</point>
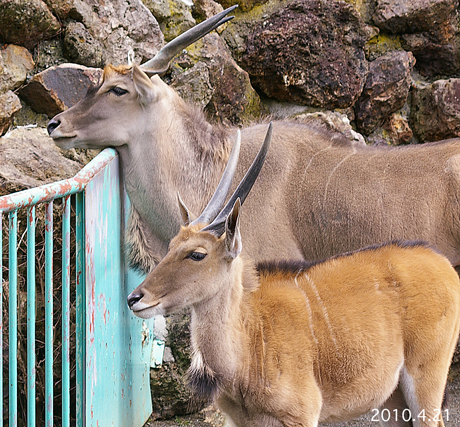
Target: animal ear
<point>187,217</point>
<point>233,244</point>
<point>143,85</point>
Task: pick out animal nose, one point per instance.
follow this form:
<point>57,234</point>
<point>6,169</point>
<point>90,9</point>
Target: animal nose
<point>52,125</point>
<point>133,299</point>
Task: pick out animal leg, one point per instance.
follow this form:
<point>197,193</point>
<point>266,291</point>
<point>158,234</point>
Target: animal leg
<point>423,390</point>
<point>395,411</point>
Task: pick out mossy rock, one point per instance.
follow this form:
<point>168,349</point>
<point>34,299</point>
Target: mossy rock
<point>26,22</point>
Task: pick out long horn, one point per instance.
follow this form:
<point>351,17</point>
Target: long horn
<point>218,225</point>
<point>160,62</point>
<point>218,199</point>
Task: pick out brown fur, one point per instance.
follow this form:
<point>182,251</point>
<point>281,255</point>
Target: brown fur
<point>294,344</point>
<point>319,194</point>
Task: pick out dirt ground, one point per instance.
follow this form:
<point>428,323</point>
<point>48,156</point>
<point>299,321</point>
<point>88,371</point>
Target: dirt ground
<point>209,417</point>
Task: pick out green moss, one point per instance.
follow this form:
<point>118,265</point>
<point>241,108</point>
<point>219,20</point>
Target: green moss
<point>381,44</point>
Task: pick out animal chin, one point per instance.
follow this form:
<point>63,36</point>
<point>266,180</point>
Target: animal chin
<point>65,142</point>
<point>148,312</point>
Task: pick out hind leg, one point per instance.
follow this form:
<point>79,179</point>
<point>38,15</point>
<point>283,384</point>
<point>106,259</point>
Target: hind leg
<point>395,411</point>
<point>424,393</point>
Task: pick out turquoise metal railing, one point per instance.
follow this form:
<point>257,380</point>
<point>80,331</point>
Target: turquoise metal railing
<point>99,178</point>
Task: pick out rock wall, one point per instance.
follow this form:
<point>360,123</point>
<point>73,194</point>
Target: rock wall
<point>390,68</point>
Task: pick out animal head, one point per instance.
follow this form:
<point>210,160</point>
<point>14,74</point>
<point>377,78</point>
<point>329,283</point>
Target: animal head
<point>201,256</point>
<point>112,110</point>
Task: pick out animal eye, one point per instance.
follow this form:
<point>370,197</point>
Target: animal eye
<point>118,91</point>
<point>197,256</point>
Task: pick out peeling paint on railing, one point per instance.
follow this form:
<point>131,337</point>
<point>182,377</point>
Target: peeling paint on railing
<point>111,356</point>
<point>59,189</point>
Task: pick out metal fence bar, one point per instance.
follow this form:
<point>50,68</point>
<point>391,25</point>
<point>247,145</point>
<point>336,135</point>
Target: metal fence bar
<point>1,312</point>
<point>66,313</point>
<point>13,320</point>
<point>31,359</point>
<point>80,313</point>
<point>49,314</point>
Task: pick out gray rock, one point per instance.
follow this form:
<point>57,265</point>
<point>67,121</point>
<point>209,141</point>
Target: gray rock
<point>385,91</point>
<point>214,80</point>
<point>58,88</point>
<point>194,86</point>
<point>174,16</point>
<point>309,52</point>
<point>30,158</point>
<point>49,53</point>
<point>61,8</point>
<point>81,47</point>
<point>435,112</point>
<point>204,9</point>
<point>120,26</point>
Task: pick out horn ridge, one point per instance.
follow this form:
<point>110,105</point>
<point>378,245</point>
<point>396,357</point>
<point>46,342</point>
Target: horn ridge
<point>244,187</point>
<point>160,62</point>
<point>220,194</point>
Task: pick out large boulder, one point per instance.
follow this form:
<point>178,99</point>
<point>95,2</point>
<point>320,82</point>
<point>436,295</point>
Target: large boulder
<point>81,47</point>
<point>385,91</point>
<point>174,16</point>
<point>120,26</point>
<point>29,158</point>
<point>26,22</point>
<point>309,52</point>
<point>206,74</point>
<point>401,16</point>
<point>15,63</point>
<point>58,88</point>
<point>435,112</point>
<point>428,28</point>
<point>437,51</point>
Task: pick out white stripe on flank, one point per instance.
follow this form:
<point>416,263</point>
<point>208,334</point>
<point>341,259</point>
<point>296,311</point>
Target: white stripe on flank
<point>324,310</point>
<point>307,303</point>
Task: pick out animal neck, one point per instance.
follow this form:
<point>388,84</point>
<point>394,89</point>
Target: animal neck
<point>218,333</point>
<point>188,153</point>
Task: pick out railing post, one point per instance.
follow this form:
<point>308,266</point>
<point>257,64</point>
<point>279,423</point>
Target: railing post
<point>66,313</point>
<point>13,319</point>
<point>49,314</point>
<point>80,309</point>
<point>1,312</point>
<point>31,317</point>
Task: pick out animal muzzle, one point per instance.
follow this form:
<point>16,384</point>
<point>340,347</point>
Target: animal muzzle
<point>134,301</point>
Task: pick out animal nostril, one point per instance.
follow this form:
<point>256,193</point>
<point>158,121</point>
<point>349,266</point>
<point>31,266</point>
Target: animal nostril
<point>52,125</point>
<point>133,299</point>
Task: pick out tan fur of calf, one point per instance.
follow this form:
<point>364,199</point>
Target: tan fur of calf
<point>297,345</point>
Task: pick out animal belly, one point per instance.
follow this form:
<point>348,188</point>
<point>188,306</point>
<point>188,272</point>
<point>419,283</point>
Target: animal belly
<point>361,394</point>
